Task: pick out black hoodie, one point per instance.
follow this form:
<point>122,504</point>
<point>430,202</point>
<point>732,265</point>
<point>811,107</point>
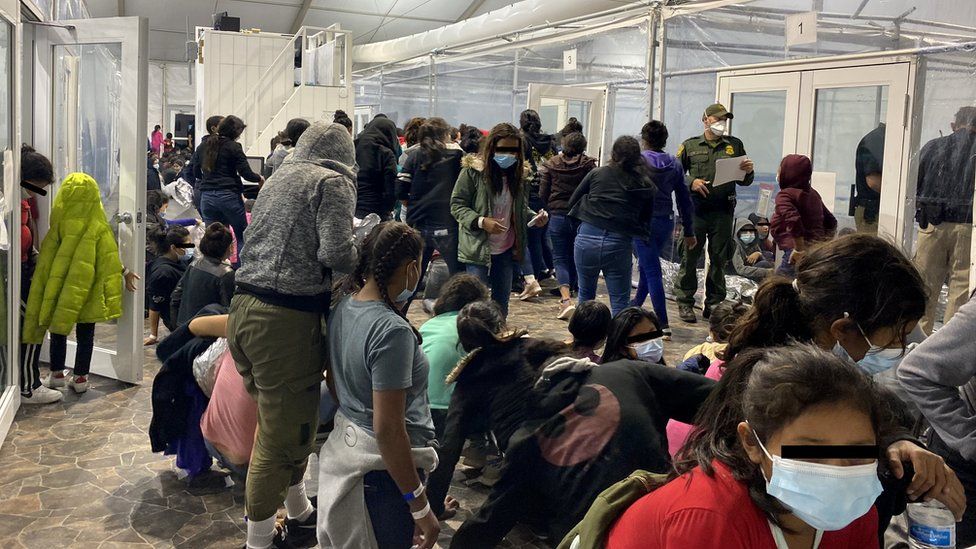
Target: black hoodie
<point>377,159</point>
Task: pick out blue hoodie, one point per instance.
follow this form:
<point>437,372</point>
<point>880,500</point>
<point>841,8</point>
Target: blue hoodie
<point>669,177</point>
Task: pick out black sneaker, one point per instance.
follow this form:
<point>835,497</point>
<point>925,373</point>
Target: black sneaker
<point>707,312</point>
<point>301,533</point>
<point>687,314</point>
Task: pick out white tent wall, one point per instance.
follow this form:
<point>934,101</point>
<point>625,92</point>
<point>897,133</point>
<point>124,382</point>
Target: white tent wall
<point>170,91</point>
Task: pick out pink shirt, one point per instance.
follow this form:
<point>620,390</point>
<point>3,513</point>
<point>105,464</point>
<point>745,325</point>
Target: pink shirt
<point>502,211</point>
<point>678,432</point>
<point>231,417</point>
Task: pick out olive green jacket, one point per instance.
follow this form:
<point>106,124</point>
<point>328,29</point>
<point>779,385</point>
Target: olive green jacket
<point>472,200</point>
<point>697,156</point>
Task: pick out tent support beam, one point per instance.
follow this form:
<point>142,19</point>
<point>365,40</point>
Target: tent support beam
<point>300,18</point>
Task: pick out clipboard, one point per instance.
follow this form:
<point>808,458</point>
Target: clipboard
<point>727,170</point>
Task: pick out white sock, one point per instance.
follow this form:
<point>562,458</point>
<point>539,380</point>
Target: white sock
<point>260,533</point>
<point>529,279</point>
<point>296,502</point>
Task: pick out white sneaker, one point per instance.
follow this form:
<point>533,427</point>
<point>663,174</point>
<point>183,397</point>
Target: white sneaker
<point>42,395</point>
<point>78,384</point>
<point>532,289</point>
<point>55,380</point>
<point>567,312</point>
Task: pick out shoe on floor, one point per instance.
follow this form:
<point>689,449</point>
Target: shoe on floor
<point>531,290</point>
<point>301,533</point>
<point>687,314</point>
<point>78,384</point>
<point>55,380</point>
<point>667,333</point>
<point>568,310</point>
<point>707,312</point>
<point>42,395</point>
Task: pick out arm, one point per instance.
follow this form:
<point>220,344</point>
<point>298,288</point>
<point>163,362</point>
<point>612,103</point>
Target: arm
<point>679,393</point>
<point>748,271</point>
<point>787,211</point>
<point>389,179</point>
<point>176,299</point>
<point>582,190</point>
<point>227,288</point>
<point>462,198</point>
<point>449,453</point>
<point>184,222</point>
<point>335,204</point>
<point>933,373</point>
<point>209,326</point>
<point>830,222</point>
<point>682,157</point>
<point>686,208</point>
<point>545,185</point>
<point>751,176</point>
<point>153,326</point>
<point>874,181</point>
<point>405,178</point>
<point>243,168</point>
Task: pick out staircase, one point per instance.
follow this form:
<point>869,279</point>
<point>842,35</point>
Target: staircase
<point>321,86</point>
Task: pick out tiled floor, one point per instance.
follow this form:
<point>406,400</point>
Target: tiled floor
<point>80,473</point>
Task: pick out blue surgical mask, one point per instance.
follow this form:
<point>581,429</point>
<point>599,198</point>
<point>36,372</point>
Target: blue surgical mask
<point>877,359</point>
<point>505,161</point>
<point>407,292</point>
<point>649,351</point>
<point>747,238</point>
<point>827,497</point>
<point>188,254</point>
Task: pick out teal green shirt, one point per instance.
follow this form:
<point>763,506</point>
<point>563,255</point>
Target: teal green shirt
<point>443,351</point>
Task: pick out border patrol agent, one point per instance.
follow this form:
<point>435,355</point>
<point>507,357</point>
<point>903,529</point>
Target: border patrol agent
<point>714,210</point>
<point>945,214</point>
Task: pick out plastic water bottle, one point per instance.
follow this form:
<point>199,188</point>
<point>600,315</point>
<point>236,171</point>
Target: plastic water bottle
<point>931,526</point>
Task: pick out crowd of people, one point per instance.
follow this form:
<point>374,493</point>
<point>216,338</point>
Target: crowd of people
<point>810,417</point>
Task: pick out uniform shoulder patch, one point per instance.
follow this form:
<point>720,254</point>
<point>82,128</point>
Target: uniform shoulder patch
<point>730,150</point>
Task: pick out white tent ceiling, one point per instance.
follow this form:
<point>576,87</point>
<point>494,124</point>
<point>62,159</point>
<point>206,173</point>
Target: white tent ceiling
<point>370,20</point>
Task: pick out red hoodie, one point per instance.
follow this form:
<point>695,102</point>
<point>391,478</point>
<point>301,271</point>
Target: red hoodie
<point>800,212</point>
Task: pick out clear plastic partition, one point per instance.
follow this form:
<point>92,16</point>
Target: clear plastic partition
<point>9,205</point>
<point>406,93</point>
<point>476,92</point>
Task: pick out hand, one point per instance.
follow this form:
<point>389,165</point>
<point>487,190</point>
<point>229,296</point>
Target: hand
<point>795,256</point>
<point>451,507</point>
<point>933,478</point>
<point>426,531</point>
<point>691,242</point>
<point>700,186</point>
<point>151,340</point>
<point>200,223</point>
<point>754,257</point>
<point>543,219</point>
<point>747,166</point>
<point>493,226</point>
<point>130,281</point>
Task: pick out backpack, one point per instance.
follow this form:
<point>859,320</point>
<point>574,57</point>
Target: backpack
<point>591,532</point>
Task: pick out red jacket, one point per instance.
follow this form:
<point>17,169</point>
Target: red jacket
<point>800,212</point>
<point>702,512</point>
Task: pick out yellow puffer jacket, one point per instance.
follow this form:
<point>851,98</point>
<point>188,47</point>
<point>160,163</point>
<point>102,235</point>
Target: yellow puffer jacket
<point>79,274</point>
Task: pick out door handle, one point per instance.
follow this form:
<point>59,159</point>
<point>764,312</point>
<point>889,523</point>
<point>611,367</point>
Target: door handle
<point>123,217</point>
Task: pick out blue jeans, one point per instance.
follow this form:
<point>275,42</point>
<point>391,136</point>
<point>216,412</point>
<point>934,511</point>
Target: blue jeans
<point>534,260</point>
<point>497,276</point>
<point>563,232</point>
<point>785,269</point>
<point>227,207</point>
<point>600,250</point>
<point>446,242</point>
<point>649,260</point>
<point>390,515</point>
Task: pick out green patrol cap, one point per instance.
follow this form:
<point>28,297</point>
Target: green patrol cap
<point>718,110</point>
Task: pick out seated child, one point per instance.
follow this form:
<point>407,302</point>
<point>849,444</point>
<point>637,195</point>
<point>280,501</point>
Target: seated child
<point>724,318</point>
<point>747,259</point>
<point>589,325</point>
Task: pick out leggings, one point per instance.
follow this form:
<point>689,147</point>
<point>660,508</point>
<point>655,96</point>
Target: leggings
<point>85,334</point>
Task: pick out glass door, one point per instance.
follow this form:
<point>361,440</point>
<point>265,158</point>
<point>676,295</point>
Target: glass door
<point>9,219</point>
<point>90,112</point>
<point>557,104</point>
<point>765,120</point>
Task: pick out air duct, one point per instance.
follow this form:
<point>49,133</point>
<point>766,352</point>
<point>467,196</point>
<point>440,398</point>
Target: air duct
<point>498,22</point>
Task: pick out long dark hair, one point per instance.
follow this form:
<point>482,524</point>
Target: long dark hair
<point>492,170</point>
<point>655,135</point>
<point>229,129</point>
<point>861,275</point>
<point>770,387</point>
<point>388,245</point>
<point>572,126</point>
<point>34,166</point>
<point>431,137</point>
<point>530,122</point>
<point>162,238</point>
<point>481,324</point>
<point>293,130</point>
<point>626,155</point>
<point>619,331</point>
<point>470,139</point>
<point>216,241</point>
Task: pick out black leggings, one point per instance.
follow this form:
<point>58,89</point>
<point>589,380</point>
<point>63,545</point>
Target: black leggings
<point>85,334</point>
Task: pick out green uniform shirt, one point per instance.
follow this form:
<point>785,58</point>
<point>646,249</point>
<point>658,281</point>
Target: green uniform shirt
<point>697,156</point>
<point>443,352</point>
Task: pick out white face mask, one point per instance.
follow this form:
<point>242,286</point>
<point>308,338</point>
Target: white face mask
<point>649,351</point>
<point>877,359</point>
<point>408,292</point>
<point>718,128</point>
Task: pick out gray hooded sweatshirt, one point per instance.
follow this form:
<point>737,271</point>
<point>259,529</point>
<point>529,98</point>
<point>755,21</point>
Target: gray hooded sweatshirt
<point>301,224</point>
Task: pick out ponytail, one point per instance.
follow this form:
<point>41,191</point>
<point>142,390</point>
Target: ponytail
<point>776,317</point>
<point>431,136</point>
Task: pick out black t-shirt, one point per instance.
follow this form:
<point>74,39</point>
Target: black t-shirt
<point>429,190</point>
<point>868,159</point>
<point>164,275</point>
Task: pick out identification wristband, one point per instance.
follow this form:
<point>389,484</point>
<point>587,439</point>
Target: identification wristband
<point>421,513</point>
<point>410,496</point>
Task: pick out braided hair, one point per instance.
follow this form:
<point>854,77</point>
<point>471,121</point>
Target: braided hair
<point>388,246</point>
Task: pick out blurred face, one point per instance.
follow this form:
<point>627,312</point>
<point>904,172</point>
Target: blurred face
<point>763,231</point>
<point>186,240</point>
<point>846,332</point>
<point>642,332</point>
<point>36,183</point>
